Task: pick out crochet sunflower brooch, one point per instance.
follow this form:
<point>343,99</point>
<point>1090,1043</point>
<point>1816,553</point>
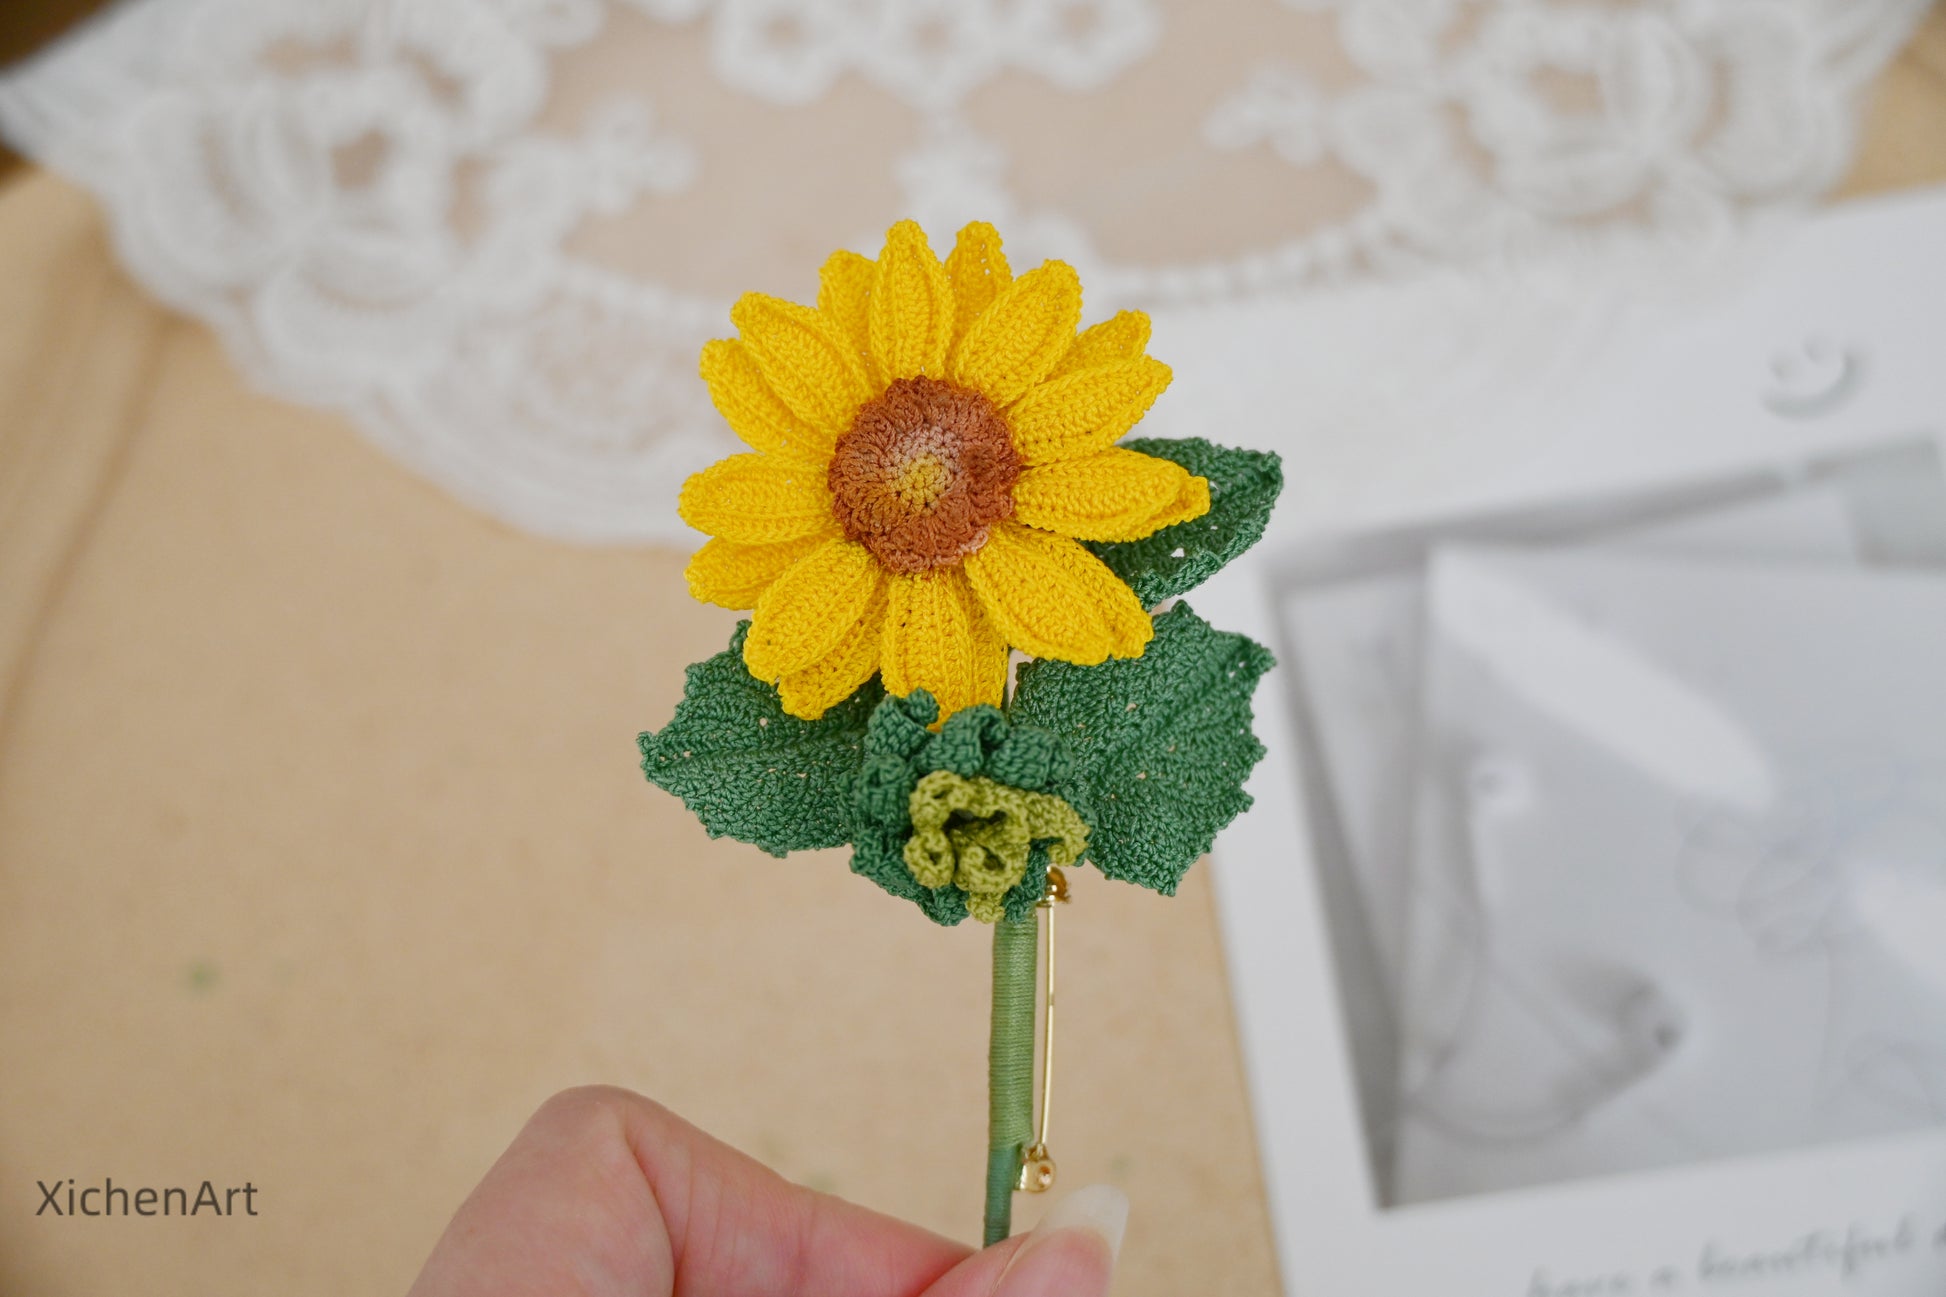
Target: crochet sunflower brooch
<point>937,479</point>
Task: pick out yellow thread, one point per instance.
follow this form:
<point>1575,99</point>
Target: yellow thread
<point>732,575</point>
<point>976,270</point>
<point>977,834</point>
<point>755,500</point>
<point>1085,411</point>
<point>810,367</point>
<point>1004,571</point>
<point>811,691</point>
<point>1052,598</point>
<point>1023,334</point>
<point>910,322</point>
<point>935,640</point>
<point>1192,501</point>
<point>1112,495</point>
<point>811,609</point>
<point>844,300</point>
<point>764,423</point>
<point>1123,336</point>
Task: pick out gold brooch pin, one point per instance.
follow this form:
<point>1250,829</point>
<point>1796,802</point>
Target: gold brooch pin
<point>1036,1163</point>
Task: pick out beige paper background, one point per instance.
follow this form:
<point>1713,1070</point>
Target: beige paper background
<point>324,857</point>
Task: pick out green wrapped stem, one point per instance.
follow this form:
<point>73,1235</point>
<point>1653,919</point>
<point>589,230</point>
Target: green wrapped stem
<point>1010,1067</point>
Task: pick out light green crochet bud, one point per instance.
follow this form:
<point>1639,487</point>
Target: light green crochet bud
<point>978,834</point>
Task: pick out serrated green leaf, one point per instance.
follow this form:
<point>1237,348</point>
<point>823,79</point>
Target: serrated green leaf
<point>1243,486</point>
<point>750,770</point>
<point>1161,743</point>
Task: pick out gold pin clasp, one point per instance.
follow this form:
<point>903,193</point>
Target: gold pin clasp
<point>1036,1163</point>
<point>1036,1169</point>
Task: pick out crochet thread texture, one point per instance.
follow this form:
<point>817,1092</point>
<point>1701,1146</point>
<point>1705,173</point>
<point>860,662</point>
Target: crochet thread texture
<point>1161,745</point>
<point>977,834</point>
<point>933,481</point>
<point>978,743</point>
<point>747,769</point>
<point>922,474</point>
<point>1243,486</point>
<point>1135,765</point>
<point>933,446</point>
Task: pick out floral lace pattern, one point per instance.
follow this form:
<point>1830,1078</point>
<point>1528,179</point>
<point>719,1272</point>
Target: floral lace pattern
<point>928,53</point>
<point>1692,111</point>
<point>378,203</point>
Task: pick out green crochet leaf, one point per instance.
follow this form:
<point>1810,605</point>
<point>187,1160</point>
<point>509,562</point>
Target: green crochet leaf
<point>1161,743</point>
<point>750,770</point>
<point>1243,486</point>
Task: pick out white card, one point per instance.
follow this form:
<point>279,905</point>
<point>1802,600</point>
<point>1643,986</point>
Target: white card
<point>1354,648</point>
<point>1359,642</point>
<point>1680,828</point>
<point>1666,406</point>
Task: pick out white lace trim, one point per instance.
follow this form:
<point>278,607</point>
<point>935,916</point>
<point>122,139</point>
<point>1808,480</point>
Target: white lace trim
<point>375,205</point>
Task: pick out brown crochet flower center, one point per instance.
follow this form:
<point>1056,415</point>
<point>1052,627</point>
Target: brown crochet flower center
<point>923,473</point>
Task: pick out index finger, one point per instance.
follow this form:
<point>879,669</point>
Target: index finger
<point>606,1192</point>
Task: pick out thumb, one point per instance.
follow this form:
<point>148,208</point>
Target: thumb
<point>1071,1253</point>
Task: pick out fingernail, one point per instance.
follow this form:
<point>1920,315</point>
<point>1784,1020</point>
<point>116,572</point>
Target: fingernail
<point>1072,1251</point>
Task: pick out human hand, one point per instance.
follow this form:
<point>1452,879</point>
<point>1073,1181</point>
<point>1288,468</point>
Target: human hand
<point>607,1194</point>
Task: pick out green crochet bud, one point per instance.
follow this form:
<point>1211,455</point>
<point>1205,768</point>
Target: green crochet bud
<point>977,834</point>
<point>987,869</point>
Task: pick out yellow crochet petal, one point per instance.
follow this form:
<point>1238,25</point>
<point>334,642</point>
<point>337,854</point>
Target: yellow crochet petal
<point>753,411</point>
<point>830,680</point>
<point>937,639</point>
<point>844,296</point>
<point>1017,340</point>
<point>1085,411</point>
<point>1114,494</point>
<point>992,661</point>
<point>977,271</point>
<point>733,575</point>
<point>806,362</point>
<point>1052,598</point>
<point>911,308</point>
<point>1120,337</point>
<point>1192,501</point>
<point>756,500</point>
<point>811,610</point>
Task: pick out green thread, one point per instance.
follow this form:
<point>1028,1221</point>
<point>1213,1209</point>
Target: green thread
<point>1010,1067</point>
<point>751,771</point>
<point>1161,744</point>
<point>976,742</point>
<point>1144,758</point>
<point>978,835</point>
<point>1243,485</point>
<point>1137,763</point>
